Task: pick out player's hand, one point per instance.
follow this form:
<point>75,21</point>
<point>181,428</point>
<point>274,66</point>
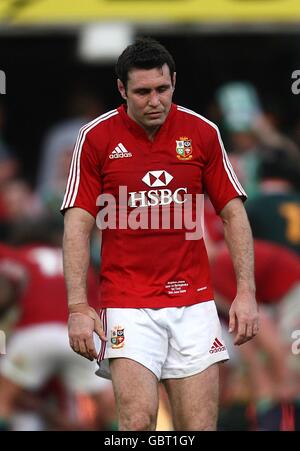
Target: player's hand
<point>243,317</point>
<point>83,321</point>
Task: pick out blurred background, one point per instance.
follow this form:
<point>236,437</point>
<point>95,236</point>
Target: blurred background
<point>238,64</point>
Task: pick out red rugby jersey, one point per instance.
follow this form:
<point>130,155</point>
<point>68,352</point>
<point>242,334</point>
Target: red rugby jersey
<point>277,270</point>
<point>38,271</point>
<point>151,267</point>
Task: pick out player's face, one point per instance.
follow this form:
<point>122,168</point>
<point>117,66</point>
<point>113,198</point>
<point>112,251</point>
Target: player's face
<point>149,96</point>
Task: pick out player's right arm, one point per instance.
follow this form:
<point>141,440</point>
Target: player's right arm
<point>83,319</point>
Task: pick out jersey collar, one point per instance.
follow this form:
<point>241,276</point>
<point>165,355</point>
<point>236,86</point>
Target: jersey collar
<point>137,129</point>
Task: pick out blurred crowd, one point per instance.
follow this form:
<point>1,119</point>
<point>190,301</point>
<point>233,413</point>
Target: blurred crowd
<point>44,385</point>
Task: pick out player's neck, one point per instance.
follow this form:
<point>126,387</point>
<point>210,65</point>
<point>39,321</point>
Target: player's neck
<point>150,131</point>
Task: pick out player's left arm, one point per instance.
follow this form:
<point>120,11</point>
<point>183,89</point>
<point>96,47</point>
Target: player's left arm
<point>243,314</point>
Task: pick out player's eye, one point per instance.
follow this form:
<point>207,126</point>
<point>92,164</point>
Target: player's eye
<point>142,92</point>
<point>163,89</point>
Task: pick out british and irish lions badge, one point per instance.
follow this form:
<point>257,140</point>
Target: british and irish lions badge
<point>184,148</point>
<point>117,337</point>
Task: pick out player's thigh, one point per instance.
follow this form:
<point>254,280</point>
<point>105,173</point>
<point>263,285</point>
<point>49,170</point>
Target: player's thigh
<point>194,399</point>
<point>135,387</point>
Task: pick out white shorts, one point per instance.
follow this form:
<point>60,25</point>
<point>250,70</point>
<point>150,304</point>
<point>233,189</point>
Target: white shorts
<point>172,342</point>
<point>36,353</point>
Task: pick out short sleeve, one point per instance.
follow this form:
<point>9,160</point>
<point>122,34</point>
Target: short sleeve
<point>84,181</point>
<point>220,180</point>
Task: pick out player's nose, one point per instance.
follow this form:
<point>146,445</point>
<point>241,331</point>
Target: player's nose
<point>154,99</point>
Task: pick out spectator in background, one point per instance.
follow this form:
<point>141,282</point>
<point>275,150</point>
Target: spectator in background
<point>19,202</point>
<point>273,371</point>
<point>274,214</point>
<point>39,347</point>
<point>239,107</point>
<point>59,144</point>
<point>249,129</point>
<point>8,164</point>
<point>295,132</point>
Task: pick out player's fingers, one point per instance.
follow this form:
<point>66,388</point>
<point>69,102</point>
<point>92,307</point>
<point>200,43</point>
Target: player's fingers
<point>231,321</point>
<point>75,346</point>
<point>240,340</point>
<point>90,346</point>
<point>252,329</point>
<point>241,335</point>
<point>82,349</point>
<point>71,343</point>
<point>99,329</point>
<point>249,331</point>
<point>256,327</point>
<point>248,334</point>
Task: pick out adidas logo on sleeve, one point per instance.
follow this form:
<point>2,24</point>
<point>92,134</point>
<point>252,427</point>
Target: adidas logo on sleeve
<point>120,152</point>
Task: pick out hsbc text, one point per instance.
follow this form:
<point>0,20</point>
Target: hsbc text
<point>156,197</point>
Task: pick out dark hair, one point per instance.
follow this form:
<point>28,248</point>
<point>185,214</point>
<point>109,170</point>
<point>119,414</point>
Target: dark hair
<point>279,163</point>
<point>144,53</point>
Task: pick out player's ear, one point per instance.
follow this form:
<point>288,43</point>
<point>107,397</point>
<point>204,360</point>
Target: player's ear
<point>174,81</point>
<point>121,89</point>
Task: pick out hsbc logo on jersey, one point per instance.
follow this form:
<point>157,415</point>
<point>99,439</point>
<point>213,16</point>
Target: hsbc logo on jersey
<point>160,206</point>
<point>154,197</point>
<point>157,178</point>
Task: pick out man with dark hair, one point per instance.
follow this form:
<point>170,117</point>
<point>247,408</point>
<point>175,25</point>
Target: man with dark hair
<point>151,157</point>
<point>145,54</point>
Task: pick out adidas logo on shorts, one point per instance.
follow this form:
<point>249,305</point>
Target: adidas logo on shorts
<point>217,347</point>
<point>120,152</point>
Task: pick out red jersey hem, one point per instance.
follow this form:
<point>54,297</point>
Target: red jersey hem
<point>156,303</point>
